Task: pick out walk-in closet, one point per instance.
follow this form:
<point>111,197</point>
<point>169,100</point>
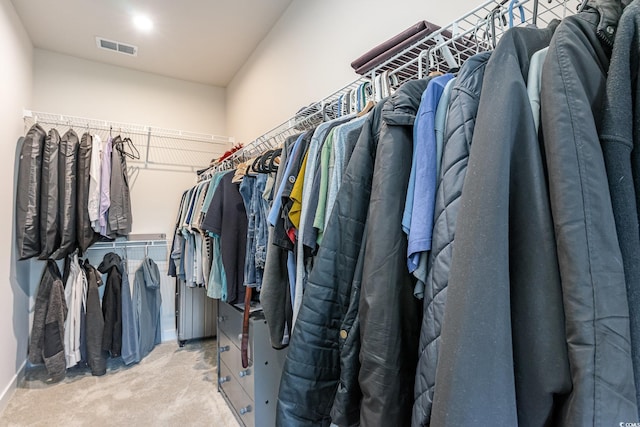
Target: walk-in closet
<point>320,213</point>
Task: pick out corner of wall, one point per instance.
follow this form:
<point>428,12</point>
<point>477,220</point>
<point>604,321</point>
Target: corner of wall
<point>10,388</point>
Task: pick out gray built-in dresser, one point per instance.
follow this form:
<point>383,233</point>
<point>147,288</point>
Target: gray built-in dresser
<point>251,392</point>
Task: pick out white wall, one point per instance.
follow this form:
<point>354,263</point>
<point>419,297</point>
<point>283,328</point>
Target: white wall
<point>68,85</point>
<point>16,73</point>
<point>306,55</point>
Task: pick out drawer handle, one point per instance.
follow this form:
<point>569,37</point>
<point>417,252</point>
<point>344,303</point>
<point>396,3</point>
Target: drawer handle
<point>245,373</point>
<point>222,318</point>
<point>224,348</point>
<point>245,410</point>
<point>223,380</point>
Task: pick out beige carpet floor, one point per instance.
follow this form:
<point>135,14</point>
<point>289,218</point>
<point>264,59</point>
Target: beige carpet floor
<point>172,386</point>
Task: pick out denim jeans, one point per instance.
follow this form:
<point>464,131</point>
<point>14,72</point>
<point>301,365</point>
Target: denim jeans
<point>256,207</point>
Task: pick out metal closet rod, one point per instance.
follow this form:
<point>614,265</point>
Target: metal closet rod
<point>301,120</point>
<point>128,244</point>
<point>99,124</point>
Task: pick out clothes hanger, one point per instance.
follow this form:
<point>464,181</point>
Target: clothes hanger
<point>264,159</point>
<point>135,154</point>
<point>254,165</point>
<point>368,107</point>
<point>534,17</point>
<point>354,101</point>
<point>511,5</point>
<point>582,5</point>
<point>274,163</point>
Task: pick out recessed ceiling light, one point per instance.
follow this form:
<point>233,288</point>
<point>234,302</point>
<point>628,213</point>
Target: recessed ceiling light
<point>143,23</point>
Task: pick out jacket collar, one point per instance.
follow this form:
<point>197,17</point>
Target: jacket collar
<point>403,104</point>
<point>610,12</point>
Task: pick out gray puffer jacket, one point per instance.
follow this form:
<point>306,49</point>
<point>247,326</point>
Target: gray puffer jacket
<point>461,120</point>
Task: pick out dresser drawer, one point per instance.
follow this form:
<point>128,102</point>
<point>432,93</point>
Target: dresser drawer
<point>230,322</point>
<point>231,356</point>
<point>239,401</point>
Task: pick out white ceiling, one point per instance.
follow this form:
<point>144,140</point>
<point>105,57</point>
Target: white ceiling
<point>204,41</point>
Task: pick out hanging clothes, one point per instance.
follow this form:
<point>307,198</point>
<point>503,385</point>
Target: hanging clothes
<point>119,214</point>
<point>130,324</point>
<point>146,305</point>
<point>96,357</point>
<point>49,213</point>
<point>67,196</point>
<point>47,332</point>
<point>256,207</point>
<point>275,296</point>
<point>534,81</point>
<point>111,265</point>
<point>95,174</point>
<point>105,187</point>
<point>345,138</point>
<point>333,290</point>
<point>307,234</point>
<point>227,218</point>
<point>28,193</point>
<point>84,232</point>
<point>422,269</point>
<point>417,220</point>
<point>176,245</point>
<point>217,282</point>
<point>75,292</point>
<point>503,308</point>
<point>592,274</point>
<point>460,123</point>
<point>325,171</point>
<point>620,140</point>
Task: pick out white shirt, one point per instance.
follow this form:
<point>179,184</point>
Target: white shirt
<point>94,183</point>
<point>73,294</point>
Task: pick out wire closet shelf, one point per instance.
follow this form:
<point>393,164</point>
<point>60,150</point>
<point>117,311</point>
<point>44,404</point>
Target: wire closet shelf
<point>159,148</point>
<point>445,49</point>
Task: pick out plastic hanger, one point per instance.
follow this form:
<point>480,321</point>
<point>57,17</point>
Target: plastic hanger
<point>135,154</point>
<point>582,5</point>
<point>511,5</point>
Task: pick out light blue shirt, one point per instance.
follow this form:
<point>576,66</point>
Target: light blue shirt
<point>441,121</point>
<point>277,201</point>
<point>339,152</point>
<point>417,220</point>
<point>534,83</point>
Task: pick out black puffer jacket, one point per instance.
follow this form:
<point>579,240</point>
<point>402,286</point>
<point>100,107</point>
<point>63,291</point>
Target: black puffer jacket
<point>324,346</point>
<point>503,358</point>
<point>112,304</point>
<point>461,120</point>
<point>313,364</point>
<point>67,181</point>
<point>28,193</point>
<point>591,268</point>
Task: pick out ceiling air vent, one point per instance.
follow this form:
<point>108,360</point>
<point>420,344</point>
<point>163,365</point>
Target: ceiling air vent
<point>115,46</point>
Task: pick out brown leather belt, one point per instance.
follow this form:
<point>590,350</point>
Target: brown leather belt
<point>245,327</point>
